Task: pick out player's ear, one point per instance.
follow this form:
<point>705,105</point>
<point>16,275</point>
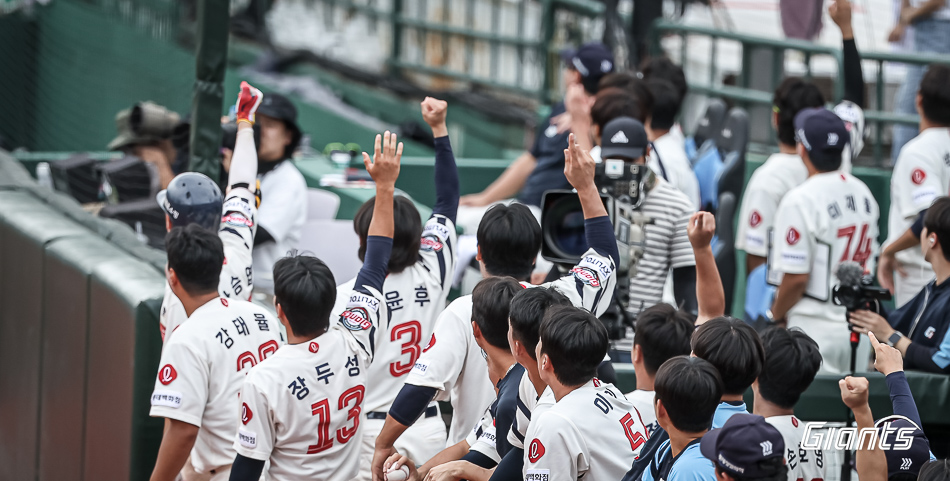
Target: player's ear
<point>171,277</point>
<point>476,330</point>
<point>478,253</point>
<point>168,222</point>
<point>636,354</point>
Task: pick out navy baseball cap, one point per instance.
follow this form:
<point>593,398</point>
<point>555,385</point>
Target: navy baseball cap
<point>592,60</point>
<point>899,459</point>
<point>623,137</point>
<point>822,133</point>
<point>740,446</point>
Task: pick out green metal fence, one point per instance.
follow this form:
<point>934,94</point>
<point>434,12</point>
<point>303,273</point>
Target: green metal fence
<point>763,65</point>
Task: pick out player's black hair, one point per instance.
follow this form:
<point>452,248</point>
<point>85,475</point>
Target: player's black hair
<point>612,103</point>
<point>935,94</point>
<point>662,332</point>
<point>527,310</point>
<point>305,290</point>
<point>937,221</point>
<point>791,361</point>
<point>937,470</point>
<point>633,85</point>
<point>775,465</point>
<point>509,238</point>
<point>666,104</point>
<point>196,255</point>
<point>575,341</point>
<point>690,389</point>
<point>663,68</point>
<point>734,348</point>
<point>406,237</point>
<point>491,300</point>
<point>791,96</point>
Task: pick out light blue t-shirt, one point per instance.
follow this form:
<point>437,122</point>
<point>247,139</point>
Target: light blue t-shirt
<point>690,465</point>
<point>725,411</point>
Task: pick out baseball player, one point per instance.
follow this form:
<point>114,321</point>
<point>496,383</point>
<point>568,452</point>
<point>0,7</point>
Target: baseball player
<point>451,366</point>
<point>829,219</point>
<point>420,273</point>
<point>921,174</point>
<point>302,409</point>
<point>203,365</point>
<point>592,431</point>
<point>193,198</point>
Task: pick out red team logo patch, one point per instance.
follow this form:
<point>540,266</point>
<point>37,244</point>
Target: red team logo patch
<point>586,275</point>
<point>794,422</point>
<point>792,236</point>
<point>167,374</point>
<point>535,451</point>
<point>314,347</point>
<point>431,243</point>
<point>755,219</point>
<point>224,301</point>
<point>356,319</point>
<point>430,344</point>
<point>246,414</point>
<point>918,176</point>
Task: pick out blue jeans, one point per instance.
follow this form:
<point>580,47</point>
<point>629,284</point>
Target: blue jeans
<point>931,36</point>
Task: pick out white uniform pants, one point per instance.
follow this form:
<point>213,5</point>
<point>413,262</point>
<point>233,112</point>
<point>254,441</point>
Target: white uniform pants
<point>420,442</point>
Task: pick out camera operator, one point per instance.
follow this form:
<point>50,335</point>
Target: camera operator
<point>145,131</point>
<point>918,329</point>
<point>668,210</point>
<point>283,209</point>
<point>829,219</point>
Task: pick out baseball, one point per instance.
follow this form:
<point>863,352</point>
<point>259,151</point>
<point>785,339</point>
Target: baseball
<point>398,474</point>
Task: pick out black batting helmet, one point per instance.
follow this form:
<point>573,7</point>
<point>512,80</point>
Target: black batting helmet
<point>192,198</point>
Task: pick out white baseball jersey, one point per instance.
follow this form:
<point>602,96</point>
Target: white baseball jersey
<point>202,368</point>
<point>803,464</point>
<point>768,185</point>
<point>829,219</point>
<point>482,437</point>
<point>668,159</point>
<point>302,405</point>
<point>529,404</point>
<point>415,297</point>
<point>236,232</point>
<point>643,402</point>
<point>453,363</point>
<point>921,174</point>
<point>592,433</point>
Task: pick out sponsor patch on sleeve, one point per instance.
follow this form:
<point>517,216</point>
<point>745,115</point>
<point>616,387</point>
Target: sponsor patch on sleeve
<point>596,264</point>
<point>924,195</point>
<point>171,399</point>
<point>420,368</point>
<point>248,439</point>
<point>437,230</point>
<point>356,317</point>
<point>754,240</point>
<point>238,204</point>
<point>793,259</point>
<point>537,475</point>
<point>237,220</point>
<point>586,275</point>
<point>430,243</point>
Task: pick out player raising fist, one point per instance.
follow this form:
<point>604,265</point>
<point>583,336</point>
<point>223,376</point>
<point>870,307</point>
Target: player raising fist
<point>302,408</point>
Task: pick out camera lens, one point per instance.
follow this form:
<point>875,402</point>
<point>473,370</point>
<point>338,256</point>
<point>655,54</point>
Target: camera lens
<point>563,227</point>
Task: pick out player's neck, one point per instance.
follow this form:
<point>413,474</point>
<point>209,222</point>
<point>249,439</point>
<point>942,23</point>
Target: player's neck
<point>561,390</point>
<point>766,409</point>
<point>941,269</point>
<point>535,377</point>
<point>644,380</point>
<point>679,440</point>
<point>787,149</point>
<point>655,134</point>
<point>731,398</point>
<point>192,303</point>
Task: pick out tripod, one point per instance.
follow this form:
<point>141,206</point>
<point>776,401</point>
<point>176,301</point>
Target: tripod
<point>855,341</point>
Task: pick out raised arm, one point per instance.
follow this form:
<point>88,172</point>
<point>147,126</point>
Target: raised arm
<point>243,169</point>
<point>870,460</point>
<point>384,168</point>
<point>840,12</point>
<point>446,172</point>
<point>579,169</point>
<point>709,292</point>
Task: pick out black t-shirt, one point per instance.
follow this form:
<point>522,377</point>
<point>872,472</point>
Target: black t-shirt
<point>548,149</point>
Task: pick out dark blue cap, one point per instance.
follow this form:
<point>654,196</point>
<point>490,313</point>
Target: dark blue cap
<point>905,445</point>
<point>822,133</point>
<point>592,60</point>
<point>623,137</point>
<point>740,446</point>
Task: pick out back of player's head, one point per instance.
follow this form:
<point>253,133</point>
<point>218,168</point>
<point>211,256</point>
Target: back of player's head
<point>690,389</point>
<point>935,94</point>
<point>662,332</point>
<point>662,68</point>
<point>633,85</point>
<point>734,348</point>
<point>196,255</point>
<point>509,238</point>
<point>406,237</point>
<point>527,310</point>
<point>791,96</point>
<point>937,470</point>
<point>491,300</point>
<point>791,361</point>
<point>937,221</point>
<point>305,290</point>
<point>666,104</point>
<point>614,103</point>
<point>575,341</point>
